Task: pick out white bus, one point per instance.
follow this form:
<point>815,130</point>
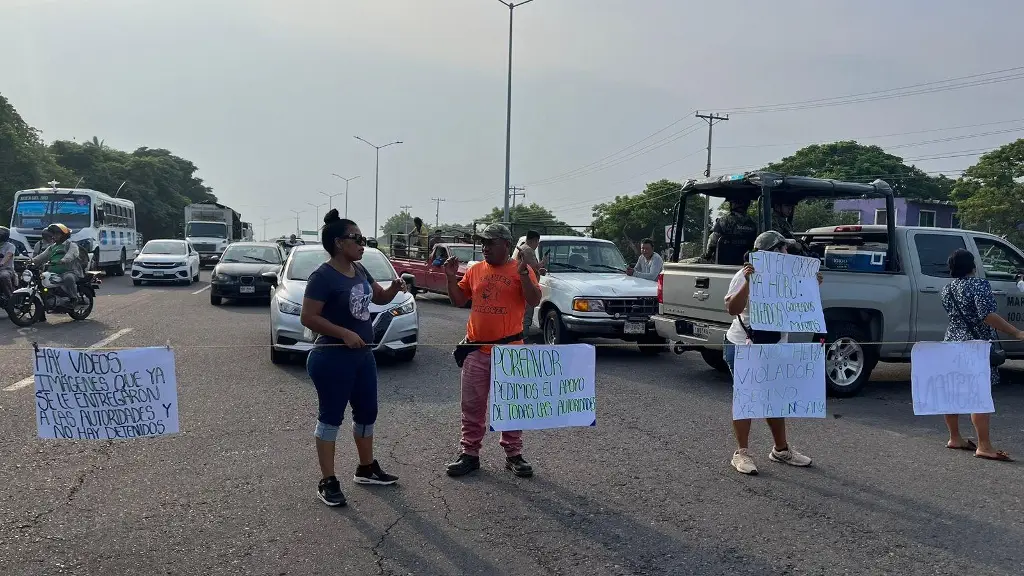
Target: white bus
<point>101,224</point>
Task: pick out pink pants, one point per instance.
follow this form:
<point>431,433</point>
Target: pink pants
<point>476,386</point>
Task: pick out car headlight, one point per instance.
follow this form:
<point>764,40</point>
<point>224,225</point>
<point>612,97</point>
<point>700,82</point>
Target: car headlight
<point>288,307</point>
<point>179,264</point>
<point>407,307</point>
<point>218,277</point>
<point>587,305</point>
<point>26,276</point>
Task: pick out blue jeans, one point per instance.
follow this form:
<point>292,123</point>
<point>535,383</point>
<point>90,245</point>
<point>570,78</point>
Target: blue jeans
<point>344,376</point>
<point>729,353</point>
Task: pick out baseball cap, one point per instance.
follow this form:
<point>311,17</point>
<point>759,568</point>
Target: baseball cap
<point>495,232</point>
<point>771,240</point>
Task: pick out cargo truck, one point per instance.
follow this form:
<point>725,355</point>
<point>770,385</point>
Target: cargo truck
<point>210,227</point>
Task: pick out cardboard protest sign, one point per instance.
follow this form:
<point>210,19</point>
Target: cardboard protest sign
<point>538,387</point>
<point>779,381</point>
<point>105,395</point>
<point>784,294</point>
<point>951,378</point>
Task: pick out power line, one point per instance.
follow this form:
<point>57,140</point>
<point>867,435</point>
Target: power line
<point>515,193</point>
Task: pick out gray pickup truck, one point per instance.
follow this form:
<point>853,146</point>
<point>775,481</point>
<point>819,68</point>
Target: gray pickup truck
<point>881,293</point>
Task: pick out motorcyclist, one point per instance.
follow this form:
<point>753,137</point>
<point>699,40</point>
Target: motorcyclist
<point>63,258</point>
<point>7,275</point>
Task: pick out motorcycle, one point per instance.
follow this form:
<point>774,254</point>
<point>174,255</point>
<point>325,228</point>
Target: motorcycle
<point>19,268</point>
<point>41,293</point>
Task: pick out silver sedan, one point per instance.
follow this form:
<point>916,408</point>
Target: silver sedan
<point>395,324</point>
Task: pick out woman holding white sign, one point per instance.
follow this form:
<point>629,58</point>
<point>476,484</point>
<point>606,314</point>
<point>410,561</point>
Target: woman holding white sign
<point>971,307</point>
<point>737,303</point>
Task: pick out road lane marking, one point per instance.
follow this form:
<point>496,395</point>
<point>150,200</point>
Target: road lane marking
<point>203,289</point>
<point>23,383</point>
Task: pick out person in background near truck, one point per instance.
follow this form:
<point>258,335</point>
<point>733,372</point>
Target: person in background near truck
<point>737,225</point>
<point>649,264</point>
<point>44,242</point>
<point>7,274</point>
<point>416,237</point>
<point>737,303</point>
<point>971,307</point>
<point>336,306</point>
<point>782,222</point>
<point>500,289</point>
<point>528,254</point>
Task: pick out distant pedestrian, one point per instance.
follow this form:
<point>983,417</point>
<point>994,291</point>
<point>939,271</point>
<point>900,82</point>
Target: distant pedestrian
<point>737,303</point>
<point>500,289</point>
<point>648,266</point>
<point>971,306</point>
<point>336,308</point>
<point>528,253</point>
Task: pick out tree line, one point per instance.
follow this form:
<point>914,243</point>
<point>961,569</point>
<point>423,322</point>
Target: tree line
<point>160,183</point>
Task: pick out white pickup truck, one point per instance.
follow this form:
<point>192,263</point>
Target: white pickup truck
<point>586,293</point>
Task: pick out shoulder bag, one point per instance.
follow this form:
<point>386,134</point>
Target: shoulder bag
<point>466,347</point>
<point>996,356</point>
<point>760,336</point>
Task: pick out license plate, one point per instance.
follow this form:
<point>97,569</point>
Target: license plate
<point>247,289</point>
<point>635,328</point>
<point>701,331</point>
<point>158,274</point>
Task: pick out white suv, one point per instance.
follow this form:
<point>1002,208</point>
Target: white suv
<point>586,293</point>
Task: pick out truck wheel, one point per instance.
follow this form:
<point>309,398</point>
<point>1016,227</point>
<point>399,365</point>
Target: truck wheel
<point>848,362</point>
<point>713,357</point>
<point>555,331</point>
<point>652,345</point>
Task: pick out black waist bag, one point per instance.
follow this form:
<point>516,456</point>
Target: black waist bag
<point>466,347</point>
<point>760,336</point>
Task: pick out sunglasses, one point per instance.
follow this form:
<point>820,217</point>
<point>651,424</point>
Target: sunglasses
<point>357,238</point>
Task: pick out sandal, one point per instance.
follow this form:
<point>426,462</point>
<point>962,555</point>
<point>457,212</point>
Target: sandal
<point>970,445</point>
<point>998,456</point>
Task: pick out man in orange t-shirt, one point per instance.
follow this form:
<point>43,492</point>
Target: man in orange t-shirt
<point>500,289</point>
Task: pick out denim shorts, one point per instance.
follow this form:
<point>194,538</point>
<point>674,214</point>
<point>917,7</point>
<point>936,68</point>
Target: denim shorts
<point>729,353</point>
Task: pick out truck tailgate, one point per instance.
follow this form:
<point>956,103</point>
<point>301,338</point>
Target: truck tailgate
<point>697,291</point>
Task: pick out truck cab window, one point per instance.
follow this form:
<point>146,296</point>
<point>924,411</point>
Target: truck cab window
<point>1000,261</point>
<point>933,251</point>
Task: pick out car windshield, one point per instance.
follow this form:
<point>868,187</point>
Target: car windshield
<point>257,254</point>
<point>40,210</point>
<point>164,247</point>
<point>206,230</point>
<point>466,253</point>
<point>304,262</point>
<point>582,256</point>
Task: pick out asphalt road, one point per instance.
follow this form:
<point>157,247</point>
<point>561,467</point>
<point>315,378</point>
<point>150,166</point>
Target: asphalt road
<point>647,491</point>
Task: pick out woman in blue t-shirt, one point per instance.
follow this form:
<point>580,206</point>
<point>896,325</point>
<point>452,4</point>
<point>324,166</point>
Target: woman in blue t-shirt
<point>336,306</point>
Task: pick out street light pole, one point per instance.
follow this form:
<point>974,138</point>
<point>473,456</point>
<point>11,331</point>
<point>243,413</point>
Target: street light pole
<point>316,207</point>
<point>508,103</point>
<point>297,212</point>
<point>347,180</point>
<point>376,184</point>
<point>330,198</point>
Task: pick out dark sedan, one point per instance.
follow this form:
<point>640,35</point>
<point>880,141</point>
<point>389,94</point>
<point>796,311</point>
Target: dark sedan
<point>239,275</point>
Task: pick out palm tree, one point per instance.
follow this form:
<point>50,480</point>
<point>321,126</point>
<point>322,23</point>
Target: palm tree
<point>96,143</point>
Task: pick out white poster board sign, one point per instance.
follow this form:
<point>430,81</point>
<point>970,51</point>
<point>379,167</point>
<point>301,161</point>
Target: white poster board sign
<point>779,381</point>
<point>539,387</point>
<point>670,234</point>
<point>784,294</point>
<point>105,395</point>
<point>951,378</point>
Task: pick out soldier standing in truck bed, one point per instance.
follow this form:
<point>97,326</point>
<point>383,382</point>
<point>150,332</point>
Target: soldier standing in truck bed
<point>736,226</point>
<point>782,222</point>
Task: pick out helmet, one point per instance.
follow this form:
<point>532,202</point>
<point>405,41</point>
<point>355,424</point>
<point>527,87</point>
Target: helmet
<point>59,230</point>
<point>5,234</point>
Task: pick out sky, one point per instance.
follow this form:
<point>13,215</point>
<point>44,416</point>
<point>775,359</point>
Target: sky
<point>267,96</point>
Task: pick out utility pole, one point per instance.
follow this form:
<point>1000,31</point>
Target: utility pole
<point>711,119</point>
<point>405,209</point>
<point>347,180</point>
<point>265,220</point>
<point>514,193</point>
<point>437,211</point>
<point>297,212</point>
<point>511,5</point>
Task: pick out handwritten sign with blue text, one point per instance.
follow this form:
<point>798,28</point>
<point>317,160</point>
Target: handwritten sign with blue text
<point>105,395</point>
<point>539,387</point>
<point>951,378</point>
<point>784,295</point>
<point>779,381</point>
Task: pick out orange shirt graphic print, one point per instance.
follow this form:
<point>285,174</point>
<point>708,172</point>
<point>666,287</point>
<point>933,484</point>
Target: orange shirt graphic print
<point>498,303</point>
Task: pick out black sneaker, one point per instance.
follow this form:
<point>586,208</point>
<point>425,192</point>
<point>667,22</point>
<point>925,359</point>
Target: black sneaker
<point>519,466</point>
<point>329,492</point>
<point>372,474</point>
<point>463,465</point>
